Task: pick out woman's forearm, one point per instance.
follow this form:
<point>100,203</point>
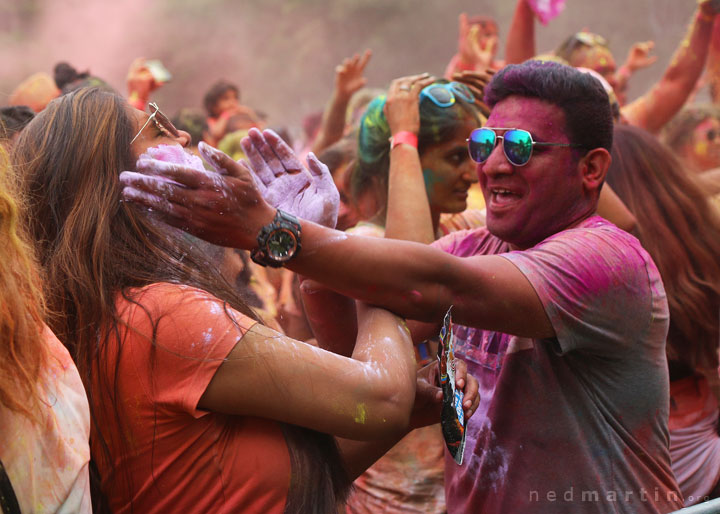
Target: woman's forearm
<point>408,210</point>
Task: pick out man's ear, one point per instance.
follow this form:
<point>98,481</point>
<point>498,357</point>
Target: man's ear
<point>593,168</point>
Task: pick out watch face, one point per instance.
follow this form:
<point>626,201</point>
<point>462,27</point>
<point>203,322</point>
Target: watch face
<point>281,245</point>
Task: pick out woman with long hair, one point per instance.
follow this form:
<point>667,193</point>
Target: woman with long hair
<point>413,190</point>
<point>681,231</point>
<point>44,417</point>
<point>196,405</point>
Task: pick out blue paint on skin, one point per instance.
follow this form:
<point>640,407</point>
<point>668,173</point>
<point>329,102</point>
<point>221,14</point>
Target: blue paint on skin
<point>430,180</point>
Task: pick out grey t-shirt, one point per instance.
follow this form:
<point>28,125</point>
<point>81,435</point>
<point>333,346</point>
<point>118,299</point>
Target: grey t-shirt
<point>578,422</point>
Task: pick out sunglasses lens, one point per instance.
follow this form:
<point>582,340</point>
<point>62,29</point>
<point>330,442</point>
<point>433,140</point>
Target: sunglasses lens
<point>440,95</point>
<point>711,135</point>
<point>481,144</point>
<point>462,91</point>
<point>518,146</point>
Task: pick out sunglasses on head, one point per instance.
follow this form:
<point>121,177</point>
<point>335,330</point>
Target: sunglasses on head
<point>161,121</point>
<point>517,144</point>
<point>444,95</point>
<point>589,39</point>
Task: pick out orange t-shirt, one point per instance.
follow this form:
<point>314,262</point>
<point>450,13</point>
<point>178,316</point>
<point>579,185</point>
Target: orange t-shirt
<point>179,458</point>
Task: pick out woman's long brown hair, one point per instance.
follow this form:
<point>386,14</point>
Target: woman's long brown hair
<point>23,353</point>
<point>93,247</point>
<point>681,231</point>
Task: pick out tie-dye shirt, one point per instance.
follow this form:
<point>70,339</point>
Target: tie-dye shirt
<point>577,422</point>
<point>47,460</point>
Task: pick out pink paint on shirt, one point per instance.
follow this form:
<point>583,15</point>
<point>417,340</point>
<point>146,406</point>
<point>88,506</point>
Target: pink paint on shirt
<point>580,416</point>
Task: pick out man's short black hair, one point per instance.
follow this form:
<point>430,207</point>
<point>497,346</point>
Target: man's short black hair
<point>588,116</point>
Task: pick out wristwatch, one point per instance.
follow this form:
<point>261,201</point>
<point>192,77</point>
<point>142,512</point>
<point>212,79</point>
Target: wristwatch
<point>278,242</point>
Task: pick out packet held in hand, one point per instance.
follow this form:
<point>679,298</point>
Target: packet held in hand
<point>452,418</point>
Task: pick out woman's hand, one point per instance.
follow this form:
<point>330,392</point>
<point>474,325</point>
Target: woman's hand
<point>402,105</point>
<point>477,81</point>
<point>428,394</point>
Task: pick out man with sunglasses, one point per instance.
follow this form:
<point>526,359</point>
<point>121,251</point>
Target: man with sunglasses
<point>560,315</point>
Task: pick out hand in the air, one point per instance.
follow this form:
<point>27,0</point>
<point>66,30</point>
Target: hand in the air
<point>349,75</point>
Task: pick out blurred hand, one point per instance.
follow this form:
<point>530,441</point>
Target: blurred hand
<point>709,7</point>
<point>477,81</point>
<point>639,56</point>
<point>349,76</point>
<point>402,105</point>
<point>473,51</point>
<point>140,80</point>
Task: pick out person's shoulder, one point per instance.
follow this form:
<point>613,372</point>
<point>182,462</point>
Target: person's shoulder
<point>595,229</point>
<point>165,298</point>
<point>162,292</point>
<point>596,242</point>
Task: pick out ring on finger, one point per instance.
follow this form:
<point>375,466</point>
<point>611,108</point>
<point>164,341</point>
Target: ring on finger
<point>404,87</point>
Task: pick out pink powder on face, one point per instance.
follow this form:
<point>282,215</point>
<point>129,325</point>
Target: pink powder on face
<point>175,154</point>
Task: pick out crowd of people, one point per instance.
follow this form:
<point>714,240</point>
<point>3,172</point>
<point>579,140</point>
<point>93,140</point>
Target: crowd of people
<point>198,314</point>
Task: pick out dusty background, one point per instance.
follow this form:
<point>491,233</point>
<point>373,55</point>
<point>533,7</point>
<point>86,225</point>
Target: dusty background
<point>282,53</point>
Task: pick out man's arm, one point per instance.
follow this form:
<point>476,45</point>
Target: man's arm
<point>421,283</point>
<point>411,279</point>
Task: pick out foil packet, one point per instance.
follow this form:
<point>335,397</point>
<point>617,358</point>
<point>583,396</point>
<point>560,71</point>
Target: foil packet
<point>452,417</point>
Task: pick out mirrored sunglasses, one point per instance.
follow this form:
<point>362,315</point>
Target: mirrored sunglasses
<point>517,144</point>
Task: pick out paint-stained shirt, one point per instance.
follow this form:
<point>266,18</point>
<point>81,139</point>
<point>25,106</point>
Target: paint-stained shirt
<point>47,459</point>
<point>576,422</point>
<point>167,455</point>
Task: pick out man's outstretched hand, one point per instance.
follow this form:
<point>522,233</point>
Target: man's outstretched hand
<point>228,207</point>
<point>224,207</point>
<point>286,184</point>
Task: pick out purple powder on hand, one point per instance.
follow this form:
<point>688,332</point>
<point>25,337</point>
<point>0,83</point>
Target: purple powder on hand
<point>175,154</point>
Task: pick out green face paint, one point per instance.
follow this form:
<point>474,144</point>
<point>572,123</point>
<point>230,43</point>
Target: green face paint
<point>431,179</point>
